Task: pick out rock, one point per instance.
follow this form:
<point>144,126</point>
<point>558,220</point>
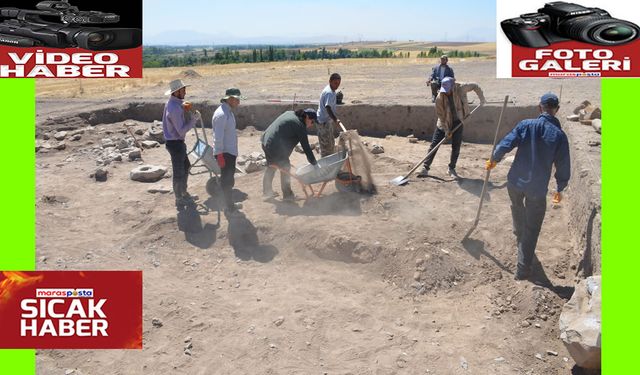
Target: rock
<point>69,372</point>
<point>114,156</point>
<point>46,136</point>
<point>139,132</point>
<point>417,275</point>
<point>551,352</point>
<point>593,143</point>
<point>150,144</point>
<point>60,146</point>
<point>147,173</point>
<point>59,136</point>
<point>135,154</point>
<point>253,166</point>
<point>76,137</point>
<point>539,356</point>
<point>413,140</point>
<point>581,106</point>
<point>499,359</point>
<point>525,324</point>
<point>100,175</point>
<point>241,160</point>
<point>377,149</point>
<point>122,144</point>
<point>419,262</point>
<point>573,117</point>
<point>580,323</point>
<point>155,133</point>
<point>107,142</point>
<point>278,322</point>
<point>595,114</point>
<point>463,363</point>
<point>597,125</point>
<point>159,190</point>
<point>255,156</point>
<point>156,322</point>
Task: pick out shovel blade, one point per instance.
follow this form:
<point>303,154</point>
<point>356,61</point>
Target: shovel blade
<point>399,181</point>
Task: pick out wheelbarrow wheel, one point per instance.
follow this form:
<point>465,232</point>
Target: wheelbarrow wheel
<point>213,186</point>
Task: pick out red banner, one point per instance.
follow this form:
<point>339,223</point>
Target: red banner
<point>576,59</point>
<point>71,310</point>
<point>69,63</point>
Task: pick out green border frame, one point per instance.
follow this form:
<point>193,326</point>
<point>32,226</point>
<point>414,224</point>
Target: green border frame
<point>620,205</point>
<point>17,187</point>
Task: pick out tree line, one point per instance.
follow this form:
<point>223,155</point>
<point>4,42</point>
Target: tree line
<point>156,56</point>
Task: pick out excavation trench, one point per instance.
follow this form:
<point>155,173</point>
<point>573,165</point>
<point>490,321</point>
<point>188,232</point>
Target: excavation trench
<point>399,120</point>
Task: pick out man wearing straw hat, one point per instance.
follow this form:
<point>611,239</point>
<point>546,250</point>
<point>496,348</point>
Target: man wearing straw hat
<point>225,144</point>
<point>176,122</point>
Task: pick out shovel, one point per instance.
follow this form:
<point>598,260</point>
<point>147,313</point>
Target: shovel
<point>401,180</point>
<point>486,176</point>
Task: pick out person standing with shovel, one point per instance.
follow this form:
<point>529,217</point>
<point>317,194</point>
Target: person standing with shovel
<point>452,106</point>
<point>541,145</point>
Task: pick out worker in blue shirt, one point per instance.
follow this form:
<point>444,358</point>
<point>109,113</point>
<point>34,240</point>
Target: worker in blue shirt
<point>541,144</point>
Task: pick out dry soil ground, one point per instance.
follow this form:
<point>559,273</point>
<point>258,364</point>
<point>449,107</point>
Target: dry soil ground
<point>343,284</point>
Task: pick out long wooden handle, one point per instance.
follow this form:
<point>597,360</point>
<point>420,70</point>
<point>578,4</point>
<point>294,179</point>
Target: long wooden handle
<point>488,173</point>
<point>440,143</point>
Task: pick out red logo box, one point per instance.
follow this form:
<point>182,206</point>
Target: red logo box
<point>71,310</point>
<point>576,59</point>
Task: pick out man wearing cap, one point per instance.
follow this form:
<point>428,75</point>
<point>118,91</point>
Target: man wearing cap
<point>541,145</point>
<point>225,143</point>
<point>327,116</point>
<point>176,122</point>
<point>452,106</point>
<point>278,142</point>
<point>438,73</point>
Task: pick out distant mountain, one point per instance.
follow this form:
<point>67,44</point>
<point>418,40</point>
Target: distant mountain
<point>193,38</point>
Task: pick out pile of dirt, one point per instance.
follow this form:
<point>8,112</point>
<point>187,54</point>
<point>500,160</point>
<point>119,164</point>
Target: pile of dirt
<point>190,73</point>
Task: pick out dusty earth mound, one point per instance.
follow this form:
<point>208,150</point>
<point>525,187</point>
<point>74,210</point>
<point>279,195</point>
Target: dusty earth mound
<point>190,73</point>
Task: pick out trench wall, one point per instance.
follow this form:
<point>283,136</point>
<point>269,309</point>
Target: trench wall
<point>584,198</point>
<point>370,120</point>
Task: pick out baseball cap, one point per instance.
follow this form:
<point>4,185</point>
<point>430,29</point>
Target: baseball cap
<point>447,85</point>
<point>549,99</point>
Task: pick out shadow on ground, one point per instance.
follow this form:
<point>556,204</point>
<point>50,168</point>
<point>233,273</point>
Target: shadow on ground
<point>243,237</point>
<point>345,204</point>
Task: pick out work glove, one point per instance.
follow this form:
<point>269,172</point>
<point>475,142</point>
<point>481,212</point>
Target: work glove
<point>220,159</point>
<point>490,164</point>
<point>557,197</point>
<point>448,134</point>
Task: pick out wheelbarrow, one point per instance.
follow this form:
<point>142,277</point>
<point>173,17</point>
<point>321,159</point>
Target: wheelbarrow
<point>205,161</point>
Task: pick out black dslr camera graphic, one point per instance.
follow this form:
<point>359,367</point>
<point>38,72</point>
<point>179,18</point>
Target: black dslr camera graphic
<point>559,21</point>
<point>57,24</point>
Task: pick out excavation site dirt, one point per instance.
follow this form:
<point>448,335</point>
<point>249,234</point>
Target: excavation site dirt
<point>378,282</point>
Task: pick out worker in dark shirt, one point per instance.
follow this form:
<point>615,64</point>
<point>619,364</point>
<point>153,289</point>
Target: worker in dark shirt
<point>541,145</point>
<point>278,142</point>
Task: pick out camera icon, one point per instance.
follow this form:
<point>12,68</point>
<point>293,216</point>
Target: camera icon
<point>560,21</point>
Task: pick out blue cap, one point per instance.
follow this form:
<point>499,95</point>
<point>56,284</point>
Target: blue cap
<point>447,84</point>
<point>549,99</point>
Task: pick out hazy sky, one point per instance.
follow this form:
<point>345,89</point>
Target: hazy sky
<point>348,20</point>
